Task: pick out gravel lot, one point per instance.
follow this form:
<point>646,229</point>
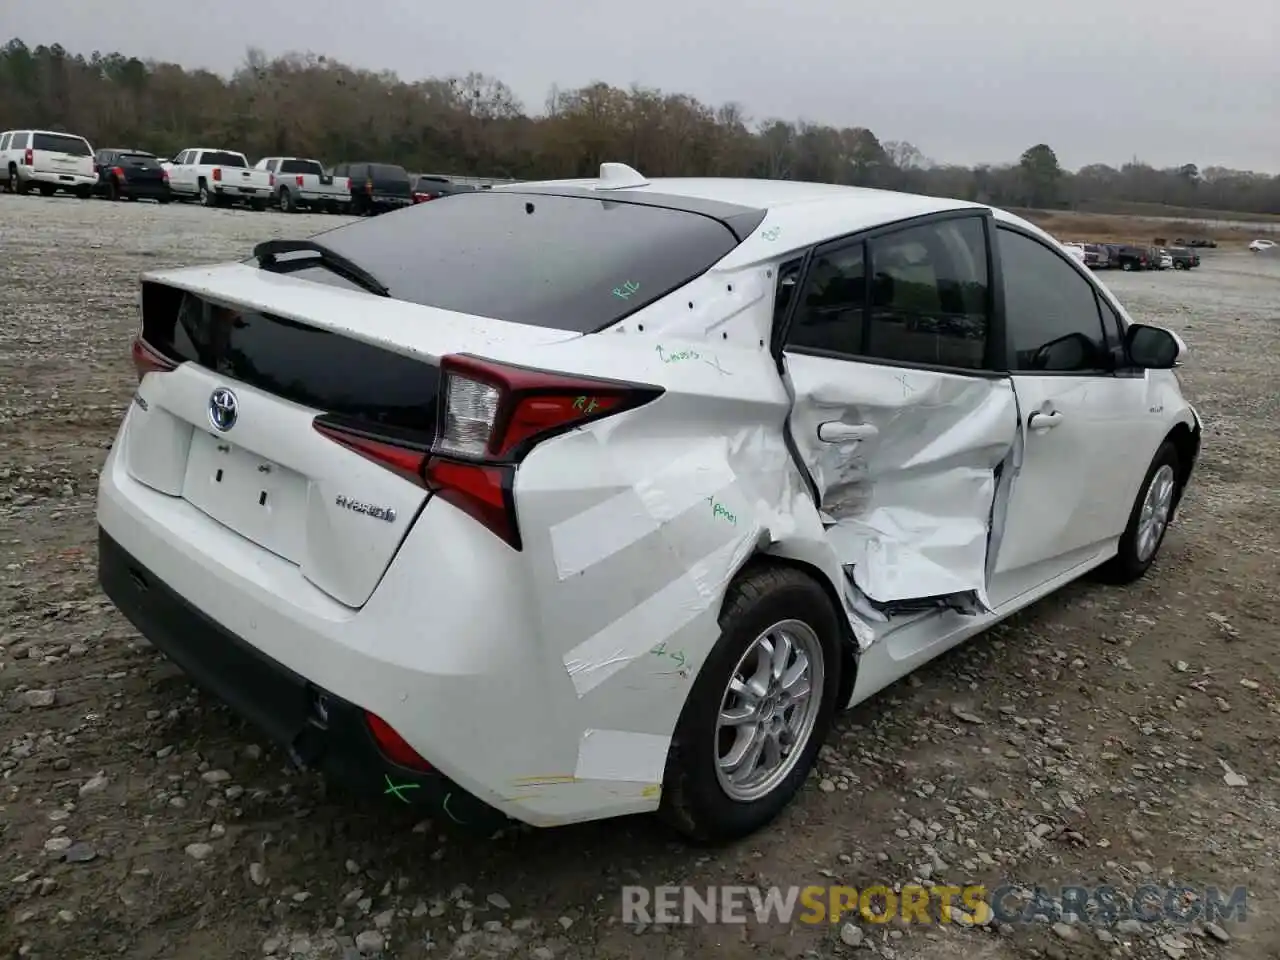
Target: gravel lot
<point>1083,743</point>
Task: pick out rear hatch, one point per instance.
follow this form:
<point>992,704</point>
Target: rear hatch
<point>140,169</point>
<point>263,471</point>
<point>61,154</point>
<point>308,344</point>
<point>388,182</point>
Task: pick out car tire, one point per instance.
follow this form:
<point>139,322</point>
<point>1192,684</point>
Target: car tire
<point>698,799</point>
<point>1177,265</point>
<point>207,199</point>
<point>1148,519</point>
<point>113,190</point>
<point>46,190</point>
<point>84,193</point>
<point>1126,265</point>
<point>287,203</point>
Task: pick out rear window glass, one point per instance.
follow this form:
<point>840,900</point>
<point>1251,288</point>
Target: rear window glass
<point>57,143</point>
<point>568,263</point>
<point>222,158</point>
<point>387,171</point>
<point>301,166</point>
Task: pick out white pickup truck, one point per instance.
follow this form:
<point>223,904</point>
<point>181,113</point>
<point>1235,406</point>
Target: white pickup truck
<point>298,183</point>
<point>218,178</point>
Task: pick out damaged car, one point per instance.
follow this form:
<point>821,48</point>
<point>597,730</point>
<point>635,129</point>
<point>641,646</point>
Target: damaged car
<point>575,499</point>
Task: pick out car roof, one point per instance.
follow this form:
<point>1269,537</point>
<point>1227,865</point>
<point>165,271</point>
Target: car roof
<point>797,214</point>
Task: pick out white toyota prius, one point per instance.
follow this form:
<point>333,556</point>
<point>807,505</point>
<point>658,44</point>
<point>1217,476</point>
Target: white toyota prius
<point>567,500</point>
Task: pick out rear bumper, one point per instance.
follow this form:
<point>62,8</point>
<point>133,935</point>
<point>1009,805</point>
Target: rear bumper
<point>315,196</point>
<point>68,181</point>
<point>448,650</point>
<point>315,726</point>
<point>144,189</point>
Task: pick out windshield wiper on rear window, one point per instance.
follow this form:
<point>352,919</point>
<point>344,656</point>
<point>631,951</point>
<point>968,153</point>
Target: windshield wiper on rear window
<point>267,253</point>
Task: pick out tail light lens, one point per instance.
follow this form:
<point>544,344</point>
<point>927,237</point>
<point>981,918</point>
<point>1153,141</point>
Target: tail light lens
<point>217,173</point>
<point>271,180</point>
<point>29,158</point>
<point>491,415</point>
<point>393,746</point>
<point>119,172</point>
<point>147,359</point>
<point>298,179</point>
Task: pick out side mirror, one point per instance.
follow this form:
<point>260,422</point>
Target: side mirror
<point>1152,348</point>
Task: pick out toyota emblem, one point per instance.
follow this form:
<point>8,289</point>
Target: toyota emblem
<point>222,409</point>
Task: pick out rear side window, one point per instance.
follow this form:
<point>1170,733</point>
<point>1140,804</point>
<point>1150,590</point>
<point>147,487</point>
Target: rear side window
<point>60,143</point>
<point>919,295</point>
<point>569,263</point>
<point>222,158</point>
<point>301,166</point>
<point>4,141</point>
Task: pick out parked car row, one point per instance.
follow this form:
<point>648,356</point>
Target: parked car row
<point>1133,256</point>
<point>50,161</point>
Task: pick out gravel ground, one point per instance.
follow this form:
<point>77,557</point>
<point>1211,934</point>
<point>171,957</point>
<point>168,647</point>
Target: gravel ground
<point>1107,736</point>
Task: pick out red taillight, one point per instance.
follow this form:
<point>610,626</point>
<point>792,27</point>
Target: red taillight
<point>298,179</point>
<point>490,416</point>
<point>119,172</point>
<point>29,158</point>
<point>164,174</point>
<point>271,180</point>
<point>393,746</point>
<point>421,198</point>
<point>217,173</point>
<point>147,359</point>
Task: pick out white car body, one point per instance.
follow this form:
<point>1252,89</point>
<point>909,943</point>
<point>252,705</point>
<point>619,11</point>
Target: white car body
<point>1166,261</point>
<point>1076,250</point>
<point>1258,246</point>
<point>299,182</point>
<point>47,161</point>
<point>547,675</point>
<point>217,177</point>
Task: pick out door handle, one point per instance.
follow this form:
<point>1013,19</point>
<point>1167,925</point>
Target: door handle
<point>837,431</point>
<point>1042,420</point>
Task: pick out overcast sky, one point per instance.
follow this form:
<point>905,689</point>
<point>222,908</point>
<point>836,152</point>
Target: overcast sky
<point>1167,81</point>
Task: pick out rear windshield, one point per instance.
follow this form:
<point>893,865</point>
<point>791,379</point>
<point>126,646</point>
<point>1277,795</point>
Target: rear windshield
<point>145,159</point>
<point>301,166</point>
<point>58,143</point>
<point>222,158</point>
<point>569,263</point>
<point>387,171</point>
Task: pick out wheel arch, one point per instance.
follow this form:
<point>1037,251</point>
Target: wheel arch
<point>848,644</point>
<point>1186,441</point>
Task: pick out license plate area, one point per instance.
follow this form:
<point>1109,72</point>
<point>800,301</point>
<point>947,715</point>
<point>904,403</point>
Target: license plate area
<point>252,495</point>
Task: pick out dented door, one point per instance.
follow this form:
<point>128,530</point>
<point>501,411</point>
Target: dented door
<point>904,461</point>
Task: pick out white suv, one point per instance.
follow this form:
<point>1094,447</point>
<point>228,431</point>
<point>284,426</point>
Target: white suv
<point>586,498</point>
<point>47,161</point>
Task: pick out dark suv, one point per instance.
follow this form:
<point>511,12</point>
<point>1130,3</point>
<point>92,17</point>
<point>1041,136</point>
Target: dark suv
<point>376,187</point>
<point>130,175</point>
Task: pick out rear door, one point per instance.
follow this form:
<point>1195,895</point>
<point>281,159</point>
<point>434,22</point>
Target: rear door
<point>1087,435</point>
<point>62,155</point>
<point>897,415</point>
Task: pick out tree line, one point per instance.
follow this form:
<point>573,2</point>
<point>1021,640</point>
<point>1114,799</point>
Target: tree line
<point>309,105</point>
